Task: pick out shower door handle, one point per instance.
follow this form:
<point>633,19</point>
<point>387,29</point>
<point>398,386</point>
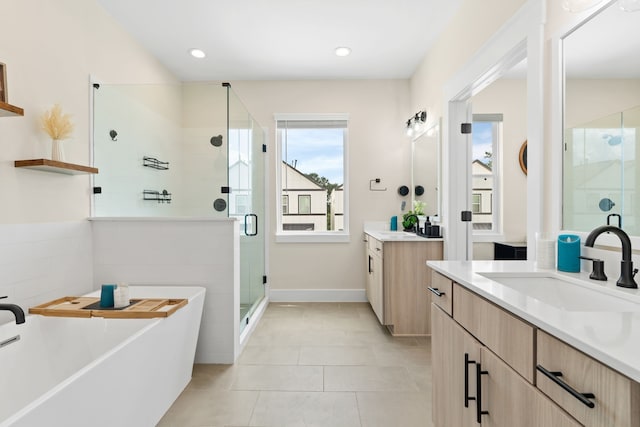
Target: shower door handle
<point>255,228</point>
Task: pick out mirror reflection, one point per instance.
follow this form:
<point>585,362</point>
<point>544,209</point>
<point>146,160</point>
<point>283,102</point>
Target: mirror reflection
<point>601,122</point>
<point>425,169</point>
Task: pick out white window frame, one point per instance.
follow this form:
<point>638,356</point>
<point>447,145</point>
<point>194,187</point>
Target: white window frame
<point>289,236</point>
<point>496,233</point>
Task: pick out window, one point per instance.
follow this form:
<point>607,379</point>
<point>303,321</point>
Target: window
<point>304,204</point>
<point>485,166</point>
<point>312,175</point>
<point>476,201</point>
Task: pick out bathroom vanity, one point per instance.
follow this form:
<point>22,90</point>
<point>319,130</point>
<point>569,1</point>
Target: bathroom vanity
<point>513,345</point>
<point>397,282</point>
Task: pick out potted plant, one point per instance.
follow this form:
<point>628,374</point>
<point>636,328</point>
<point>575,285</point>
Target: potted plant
<point>409,221</point>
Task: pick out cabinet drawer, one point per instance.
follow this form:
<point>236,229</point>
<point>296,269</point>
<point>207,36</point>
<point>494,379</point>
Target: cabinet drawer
<point>441,288</point>
<point>616,398</point>
<point>506,335</point>
<point>375,246</point>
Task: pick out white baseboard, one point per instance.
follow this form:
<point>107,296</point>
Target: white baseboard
<point>317,295</point>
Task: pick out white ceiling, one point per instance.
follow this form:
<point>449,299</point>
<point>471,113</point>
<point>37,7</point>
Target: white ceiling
<point>285,39</point>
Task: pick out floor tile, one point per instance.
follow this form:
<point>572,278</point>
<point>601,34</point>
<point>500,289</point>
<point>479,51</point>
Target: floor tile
<point>336,355</point>
<point>199,408</point>
<point>219,377</point>
<point>313,364</point>
<point>270,355</point>
<point>402,356</point>
<point>367,378</point>
<point>285,409</point>
<point>282,378</point>
<point>384,409</point>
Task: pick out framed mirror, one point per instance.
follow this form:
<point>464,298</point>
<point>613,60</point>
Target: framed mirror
<point>425,169</point>
<point>601,121</point>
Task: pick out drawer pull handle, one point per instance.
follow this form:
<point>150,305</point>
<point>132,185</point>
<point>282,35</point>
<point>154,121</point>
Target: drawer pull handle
<point>467,362</point>
<point>554,376</point>
<point>479,411</point>
<point>436,291</point>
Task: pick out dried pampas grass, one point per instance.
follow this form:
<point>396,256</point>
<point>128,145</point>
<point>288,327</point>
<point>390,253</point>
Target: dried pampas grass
<point>55,124</point>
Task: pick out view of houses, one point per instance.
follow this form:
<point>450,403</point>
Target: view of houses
<point>309,206</point>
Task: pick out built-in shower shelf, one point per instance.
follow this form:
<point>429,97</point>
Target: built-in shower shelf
<point>47,165</point>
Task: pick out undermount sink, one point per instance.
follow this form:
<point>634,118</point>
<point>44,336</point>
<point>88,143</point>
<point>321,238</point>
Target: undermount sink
<point>563,294</point>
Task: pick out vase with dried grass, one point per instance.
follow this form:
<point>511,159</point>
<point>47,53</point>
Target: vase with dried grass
<point>59,127</point>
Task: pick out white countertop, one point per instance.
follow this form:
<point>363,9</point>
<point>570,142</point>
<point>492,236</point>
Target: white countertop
<point>399,236</point>
<point>613,338</point>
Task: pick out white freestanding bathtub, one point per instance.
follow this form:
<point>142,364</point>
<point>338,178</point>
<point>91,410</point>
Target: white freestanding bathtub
<point>98,372</point>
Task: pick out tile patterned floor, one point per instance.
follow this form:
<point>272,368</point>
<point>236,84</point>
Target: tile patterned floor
<point>313,365</point>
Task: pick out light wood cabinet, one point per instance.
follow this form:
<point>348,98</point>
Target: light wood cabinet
<point>616,398</point>
<point>474,381</point>
<point>375,276</point>
<point>509,400</point>
<point>509,337</point>
<point>402,282</point>
<point>454,353</point>
<point>503,399</point>
<point>441,290</point>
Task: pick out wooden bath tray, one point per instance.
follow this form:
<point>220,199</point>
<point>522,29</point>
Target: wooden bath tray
<point>144,308</point>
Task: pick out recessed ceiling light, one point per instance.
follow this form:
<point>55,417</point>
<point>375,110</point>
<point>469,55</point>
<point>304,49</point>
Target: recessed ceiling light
<point>343,51</point>
<point>197,53</point>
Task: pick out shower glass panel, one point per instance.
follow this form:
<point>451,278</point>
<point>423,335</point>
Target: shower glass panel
<point>600,174</point>
<point>185,150</point>
<point>247,202</point>
<point>154,146</point>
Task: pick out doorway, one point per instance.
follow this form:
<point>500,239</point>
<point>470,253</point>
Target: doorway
<point>518,40</point>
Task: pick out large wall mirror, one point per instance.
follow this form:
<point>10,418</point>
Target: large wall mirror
<point>602,122</point>
<point>425,168</point>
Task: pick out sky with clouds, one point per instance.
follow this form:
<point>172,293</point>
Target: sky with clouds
<point>482,140</point>
<point>316,150</point>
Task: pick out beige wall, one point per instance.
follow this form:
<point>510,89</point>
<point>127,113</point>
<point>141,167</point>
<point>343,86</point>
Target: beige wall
<point>470,28</point>
<point>51,48</point>
<point>378,148</point>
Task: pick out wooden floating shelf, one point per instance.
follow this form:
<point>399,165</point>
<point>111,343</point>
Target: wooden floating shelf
<point>55,166</point>
<point>8,110</point>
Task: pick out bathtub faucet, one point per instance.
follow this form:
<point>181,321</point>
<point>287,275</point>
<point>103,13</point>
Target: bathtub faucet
<point>16,310</point>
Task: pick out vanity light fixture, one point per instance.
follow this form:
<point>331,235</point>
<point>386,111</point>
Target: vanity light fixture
<point>343,51</point>
<point>197,53</point>
<point>415,123</point>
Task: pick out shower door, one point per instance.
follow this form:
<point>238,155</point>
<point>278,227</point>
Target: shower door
<point>247,202</point>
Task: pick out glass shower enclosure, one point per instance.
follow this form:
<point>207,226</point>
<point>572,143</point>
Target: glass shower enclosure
<point>600,176</point>
<point>184,150</point>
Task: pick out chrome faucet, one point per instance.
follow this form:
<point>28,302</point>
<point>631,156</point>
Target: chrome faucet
<point>16,310</point>
<point>627,273</point>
